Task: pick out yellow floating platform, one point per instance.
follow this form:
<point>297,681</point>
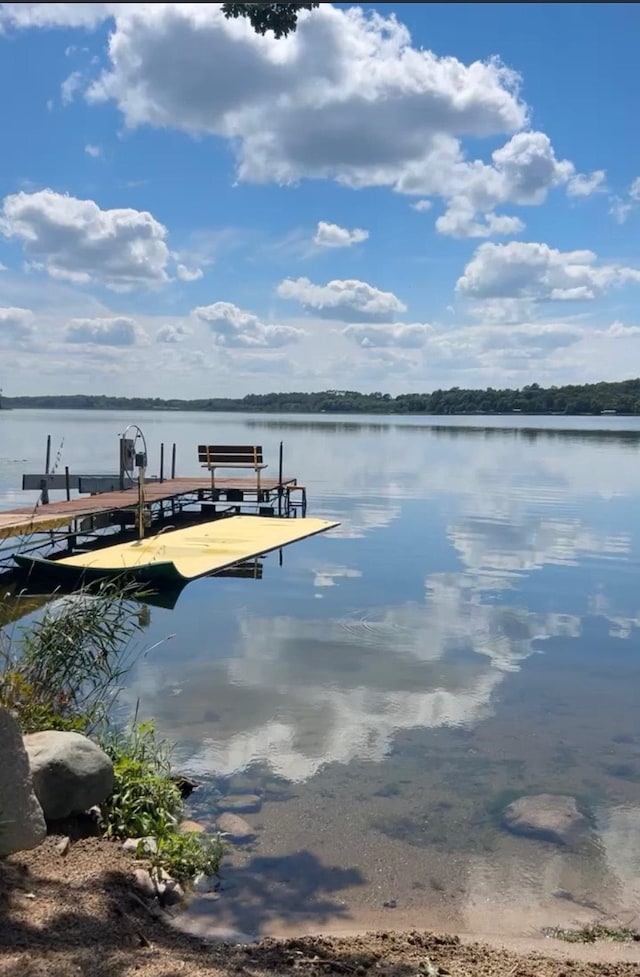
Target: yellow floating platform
<point>183,554</point>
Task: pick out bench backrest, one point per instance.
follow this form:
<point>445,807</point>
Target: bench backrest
<point>229,455</point>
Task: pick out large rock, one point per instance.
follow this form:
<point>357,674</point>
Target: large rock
<point>546,817</point>
<point>70,773</point>
<point>21,821</point>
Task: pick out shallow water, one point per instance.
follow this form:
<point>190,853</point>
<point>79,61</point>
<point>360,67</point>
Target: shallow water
<point>469,634</point>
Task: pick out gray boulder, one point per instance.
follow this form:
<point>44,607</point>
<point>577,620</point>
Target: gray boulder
<point>70,773</point>
<point>546,817</point>
<point>21,821</point>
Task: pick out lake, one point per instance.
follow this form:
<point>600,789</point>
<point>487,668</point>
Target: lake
<point>468,635</point>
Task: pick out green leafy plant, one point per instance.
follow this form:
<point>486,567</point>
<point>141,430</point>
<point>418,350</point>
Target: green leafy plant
<point>184,856</point>
<point>146,803</point>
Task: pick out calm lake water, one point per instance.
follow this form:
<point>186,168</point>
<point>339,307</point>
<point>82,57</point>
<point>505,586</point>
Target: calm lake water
<point>469,634</point>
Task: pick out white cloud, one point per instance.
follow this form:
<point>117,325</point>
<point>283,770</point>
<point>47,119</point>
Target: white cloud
<point>70,87</point>
<point>617,330</point>
<point>233,327</point>
<point>115,331</point>
<point>334,236</point>
<point>93,150</point>
<point>348,301</point>
<point>75,240</point>
<point>347,97</point>
<point>536,272</point>
<point>523,171</point>
<point>530,339</point>
<point>16,326</point>
<point>584,184</point>
<point>407,335</point>
<point>55,14</point>
<point>460,222</point>
<point>186,274</point>
<point>172,334</point>
<point>621,207</point>
<point>422,206</point>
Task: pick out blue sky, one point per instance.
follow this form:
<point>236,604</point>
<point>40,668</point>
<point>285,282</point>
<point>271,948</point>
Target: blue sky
<point>398,197</point>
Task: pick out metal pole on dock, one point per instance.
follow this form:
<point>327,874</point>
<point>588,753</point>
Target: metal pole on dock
<point>173,461</point>
<point>162,462</point>
<point>280,476</point>
<point>47,464</point>
<point>67,482</point>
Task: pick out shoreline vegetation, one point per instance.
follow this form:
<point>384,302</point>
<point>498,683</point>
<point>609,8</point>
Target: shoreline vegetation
<point>622,397</point>
<point>63,672</point>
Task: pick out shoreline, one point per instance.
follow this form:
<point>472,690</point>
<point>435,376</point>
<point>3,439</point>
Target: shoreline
<point>81,913</point>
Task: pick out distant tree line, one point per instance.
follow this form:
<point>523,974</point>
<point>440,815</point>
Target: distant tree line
<point>588,398</point>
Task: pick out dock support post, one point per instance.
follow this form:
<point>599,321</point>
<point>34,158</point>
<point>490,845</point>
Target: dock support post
<point>173,461</point>
<point>44,488</point>
<point>280,477</point>
<point>162,462</point>
<point>67,482</point>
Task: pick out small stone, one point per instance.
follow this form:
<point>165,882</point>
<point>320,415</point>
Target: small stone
<point>145,846</point>
<point>391,904</point>
<point>63,846</point>
<point>144,882</point>
<point>191,827</point>
<point>241,803</point>
<point>548,817</point>
<point>235,828</point>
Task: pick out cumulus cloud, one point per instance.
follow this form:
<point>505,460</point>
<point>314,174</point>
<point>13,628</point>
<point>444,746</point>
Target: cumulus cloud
<point>348,301</point>
<point>75,240</point>
<point>334,236</point>
<point>523,171</point>
<point>233,327</point>
<point>407,335</point>
<point>114,331</point>
<point>93,150</point>
<point>461,222</point>
<point>422,206</point>
<point>347,98</point>
<point>172,334</point>
<point>16,326</point>
<point>536,272</point>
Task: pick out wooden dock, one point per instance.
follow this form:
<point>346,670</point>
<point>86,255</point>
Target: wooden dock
<point>29,520</point>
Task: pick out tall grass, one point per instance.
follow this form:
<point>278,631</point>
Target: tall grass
<point>63,670</point>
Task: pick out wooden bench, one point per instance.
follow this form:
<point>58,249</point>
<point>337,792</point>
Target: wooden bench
<point>231,456</point>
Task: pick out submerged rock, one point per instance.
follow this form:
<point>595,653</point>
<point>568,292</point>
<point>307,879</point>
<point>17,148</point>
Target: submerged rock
<point>70,773</point>
<point>241,803</point>
<point>21,817</point>
<point>235,828</point>
<point>546,817</point>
